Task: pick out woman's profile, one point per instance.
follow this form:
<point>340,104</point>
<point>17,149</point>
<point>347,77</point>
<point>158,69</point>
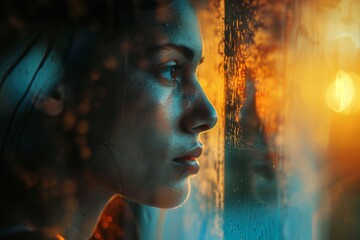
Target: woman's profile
<point>97,98</point>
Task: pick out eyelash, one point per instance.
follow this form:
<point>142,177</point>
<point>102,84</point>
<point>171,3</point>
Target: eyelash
<point>171,72</point>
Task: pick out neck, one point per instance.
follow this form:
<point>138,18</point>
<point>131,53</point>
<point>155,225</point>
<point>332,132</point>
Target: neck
<point>71,213</point>
<point>90,204</point>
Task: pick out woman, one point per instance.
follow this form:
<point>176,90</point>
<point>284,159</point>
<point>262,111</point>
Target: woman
<point>97,99</point>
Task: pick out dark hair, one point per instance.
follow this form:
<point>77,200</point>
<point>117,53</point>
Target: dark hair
<point>106,15</point>
<point>81,33</point>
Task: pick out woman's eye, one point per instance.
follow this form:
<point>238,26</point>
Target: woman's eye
<point>171,72</point>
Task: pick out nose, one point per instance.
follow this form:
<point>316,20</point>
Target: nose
<point>199,114</point>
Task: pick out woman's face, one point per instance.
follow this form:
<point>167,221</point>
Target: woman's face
<point>144,133</point>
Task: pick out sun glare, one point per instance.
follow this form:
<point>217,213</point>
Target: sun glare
<point>340,94</point>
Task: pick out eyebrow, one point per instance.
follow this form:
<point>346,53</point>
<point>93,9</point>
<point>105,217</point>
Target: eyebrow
<point>187,52</point>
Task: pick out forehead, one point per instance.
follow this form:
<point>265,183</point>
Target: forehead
<point>174,23</point>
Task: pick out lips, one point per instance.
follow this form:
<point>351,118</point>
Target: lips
<point>188,163</point>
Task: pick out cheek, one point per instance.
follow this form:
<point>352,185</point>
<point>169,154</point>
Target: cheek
<point>143,134</point>
<point>138,128</point>
<point>149,107</point>
<point>135,158</point>
<point>145,131</point>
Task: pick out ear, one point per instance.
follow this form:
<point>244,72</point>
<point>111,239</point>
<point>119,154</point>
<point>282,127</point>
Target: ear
<point>51,104</point>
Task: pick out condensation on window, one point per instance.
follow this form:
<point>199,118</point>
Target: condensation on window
<point>292,103</point>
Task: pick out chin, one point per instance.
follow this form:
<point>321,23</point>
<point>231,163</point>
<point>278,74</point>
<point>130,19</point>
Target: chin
<point>170,197</point>
<point>163,196</point>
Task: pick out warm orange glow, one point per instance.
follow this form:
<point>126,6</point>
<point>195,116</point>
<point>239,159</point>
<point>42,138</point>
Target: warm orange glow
<point>59,237</point>
<point>340,94</point>
<point>209,182</point>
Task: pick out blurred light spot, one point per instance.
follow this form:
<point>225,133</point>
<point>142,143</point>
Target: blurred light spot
<point>82,127</point>
<point>77,8</point>
<point>59,237</point>
<point>105,225</point>
<point>30,179</point>
<point>69,120</point>
<point>85,152</point>
<point>340,93</point>
<point>71,204</point>
<point>84,108</point>
<point>124,48</point>
<point>95,75</point>
<point>69,187</point>
<point>15,22</point>
<point>97,235</point>
<point>111,64</point>
<point>143,63</point>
